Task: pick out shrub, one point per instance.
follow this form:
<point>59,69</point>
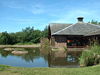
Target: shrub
<point>95,49</point>
<point>91,56</point>
<point>45,44</point>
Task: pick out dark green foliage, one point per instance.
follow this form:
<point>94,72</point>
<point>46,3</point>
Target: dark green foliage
<point>13,38</point>
<point>27,35</point>
<point>45,32</point>
<point>35,36</point>
<point>5,38</point>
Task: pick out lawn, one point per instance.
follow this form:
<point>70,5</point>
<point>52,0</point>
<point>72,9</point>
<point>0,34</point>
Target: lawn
<point>8,70</point>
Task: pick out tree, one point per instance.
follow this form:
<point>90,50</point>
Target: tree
<point>35,36</point>
<point>29,35</point>
<point>13,38</point>
<point>24,35</point>
<point>45,32</point>
<point>5,38</point>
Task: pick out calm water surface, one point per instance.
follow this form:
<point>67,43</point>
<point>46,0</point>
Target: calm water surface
<point>38,58</point>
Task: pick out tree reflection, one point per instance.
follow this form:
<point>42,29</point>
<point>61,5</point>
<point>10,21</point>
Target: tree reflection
<point>4,53</point>
<point>32,54</point>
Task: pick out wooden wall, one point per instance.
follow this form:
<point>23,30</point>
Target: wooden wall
<point>60,41</point>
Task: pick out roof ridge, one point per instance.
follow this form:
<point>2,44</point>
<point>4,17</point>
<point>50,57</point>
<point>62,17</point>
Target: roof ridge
<point>63,29</point>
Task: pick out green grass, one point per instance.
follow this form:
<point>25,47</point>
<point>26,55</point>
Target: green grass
<point>3,67</point>
<point>94,70</point>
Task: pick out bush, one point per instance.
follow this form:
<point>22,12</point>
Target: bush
<point>45,44</point>
<point>87,58</point>
<point>91,56</point>
<point>95,49</point>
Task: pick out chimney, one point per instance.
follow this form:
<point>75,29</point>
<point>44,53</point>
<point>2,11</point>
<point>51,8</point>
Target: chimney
<point>80,19</point>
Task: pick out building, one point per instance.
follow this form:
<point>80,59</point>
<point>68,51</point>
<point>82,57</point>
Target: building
<point>73,35</point>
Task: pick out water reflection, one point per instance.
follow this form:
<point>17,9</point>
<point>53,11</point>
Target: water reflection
<point>71,58</point>
<point>29,57</point>
<point>63,59</point>
<point>5,53</point>
<point>32,54</point>
<point>40,58</point>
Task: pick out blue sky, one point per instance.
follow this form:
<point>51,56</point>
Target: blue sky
<point>18,14</point>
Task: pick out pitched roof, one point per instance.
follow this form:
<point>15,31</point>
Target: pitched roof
<point>77,29</point>
<point>96,32</point>
<point>54,27</point>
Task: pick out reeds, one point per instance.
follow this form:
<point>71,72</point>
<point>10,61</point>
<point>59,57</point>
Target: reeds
<point>91,56</point>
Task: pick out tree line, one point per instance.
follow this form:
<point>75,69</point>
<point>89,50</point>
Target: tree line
<point>27,36</point>
<point>94,22</point>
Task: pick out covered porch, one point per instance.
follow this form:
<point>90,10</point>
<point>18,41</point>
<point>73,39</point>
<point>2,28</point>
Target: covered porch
<point>75,41</point>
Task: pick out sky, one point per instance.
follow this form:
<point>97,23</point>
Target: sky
<point>16,15</point>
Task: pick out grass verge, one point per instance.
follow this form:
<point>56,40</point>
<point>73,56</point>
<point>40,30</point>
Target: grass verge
<point>7,70</point>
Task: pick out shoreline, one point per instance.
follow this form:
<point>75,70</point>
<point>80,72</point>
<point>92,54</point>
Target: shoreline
<point>20,46</point>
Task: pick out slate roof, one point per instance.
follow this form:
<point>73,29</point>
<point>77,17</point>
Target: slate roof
<point>84,29</point>
<point>96,32</point>
<point>54,27</point>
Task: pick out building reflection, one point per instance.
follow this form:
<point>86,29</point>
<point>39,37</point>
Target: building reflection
<point>63,59</point>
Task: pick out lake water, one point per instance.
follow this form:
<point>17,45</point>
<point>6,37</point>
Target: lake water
<point>37,58</point>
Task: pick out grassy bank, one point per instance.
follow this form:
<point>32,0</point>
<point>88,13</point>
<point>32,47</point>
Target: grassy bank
<point>7,70</point>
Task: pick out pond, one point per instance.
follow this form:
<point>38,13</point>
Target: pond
<point>37,58</point>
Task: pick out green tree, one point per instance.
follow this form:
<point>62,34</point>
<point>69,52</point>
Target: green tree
<point>45,32</point>
<point>35,36</point>
<point>13,38</point>
<point>24,35</point>
<point>5,38</point>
